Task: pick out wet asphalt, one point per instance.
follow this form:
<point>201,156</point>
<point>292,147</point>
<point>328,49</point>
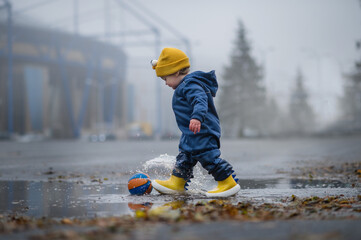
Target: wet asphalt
<point>80,179</point>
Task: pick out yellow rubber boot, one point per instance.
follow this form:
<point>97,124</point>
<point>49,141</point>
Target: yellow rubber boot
<point>173,185</point>
<point>225,188</point>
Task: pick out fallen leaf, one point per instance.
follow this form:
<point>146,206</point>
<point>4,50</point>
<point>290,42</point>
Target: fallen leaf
<point>66,221</point>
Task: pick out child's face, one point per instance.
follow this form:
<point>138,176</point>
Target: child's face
<point>172,80</point>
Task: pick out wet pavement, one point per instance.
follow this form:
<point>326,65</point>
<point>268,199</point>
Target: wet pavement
<point>71,199</point>
<point>63,181</point>
<point>60,179</point>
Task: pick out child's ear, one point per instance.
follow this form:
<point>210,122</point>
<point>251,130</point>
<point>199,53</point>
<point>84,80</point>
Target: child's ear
<point>177,73</point>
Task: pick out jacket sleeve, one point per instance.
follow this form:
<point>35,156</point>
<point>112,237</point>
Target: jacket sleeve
<point>197,97</point>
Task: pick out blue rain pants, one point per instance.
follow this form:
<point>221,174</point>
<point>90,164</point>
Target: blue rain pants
<point>210,159</point>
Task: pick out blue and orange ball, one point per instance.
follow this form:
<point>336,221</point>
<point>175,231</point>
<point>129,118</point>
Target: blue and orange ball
<point>140,184</point>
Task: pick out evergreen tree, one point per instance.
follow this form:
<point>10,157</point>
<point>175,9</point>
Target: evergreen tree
<point>302,117</point>
<point>351,101</point>
<point>274,120</point>
<point>242,96</point>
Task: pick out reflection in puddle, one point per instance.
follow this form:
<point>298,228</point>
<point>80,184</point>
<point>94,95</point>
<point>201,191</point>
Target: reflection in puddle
<point>56,199</point>
<point>291,183</point>
<point>69,199</point>
<point>140,206</point>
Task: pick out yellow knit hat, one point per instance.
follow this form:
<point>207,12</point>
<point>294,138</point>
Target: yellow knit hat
<point>170,61</point>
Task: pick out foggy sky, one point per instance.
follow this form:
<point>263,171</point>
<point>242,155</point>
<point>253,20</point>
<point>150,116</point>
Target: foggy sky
<point>316,36</point>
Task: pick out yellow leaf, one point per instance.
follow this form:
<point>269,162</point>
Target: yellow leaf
<point>66,221</point>
<point>140,214</point>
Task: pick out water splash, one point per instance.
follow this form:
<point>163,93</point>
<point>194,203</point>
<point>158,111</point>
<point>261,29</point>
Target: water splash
<point>161,167</point>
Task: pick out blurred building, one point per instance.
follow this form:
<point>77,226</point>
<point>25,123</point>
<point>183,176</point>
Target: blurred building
<point>62,84</point>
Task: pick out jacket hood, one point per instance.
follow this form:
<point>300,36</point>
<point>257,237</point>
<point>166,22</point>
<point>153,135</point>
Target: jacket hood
<point>207,79</point>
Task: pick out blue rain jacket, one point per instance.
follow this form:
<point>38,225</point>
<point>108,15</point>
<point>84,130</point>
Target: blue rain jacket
<point>193,98</point>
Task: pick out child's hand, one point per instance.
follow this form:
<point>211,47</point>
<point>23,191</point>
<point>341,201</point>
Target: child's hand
<point>195,125</point>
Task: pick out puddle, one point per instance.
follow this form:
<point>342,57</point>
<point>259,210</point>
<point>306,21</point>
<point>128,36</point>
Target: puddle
<point>55,199</point>
<point>82,199</point>
<point>70,199</point>
<point>291,184</point>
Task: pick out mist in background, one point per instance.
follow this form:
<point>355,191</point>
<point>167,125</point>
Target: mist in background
<point>303,53</point>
